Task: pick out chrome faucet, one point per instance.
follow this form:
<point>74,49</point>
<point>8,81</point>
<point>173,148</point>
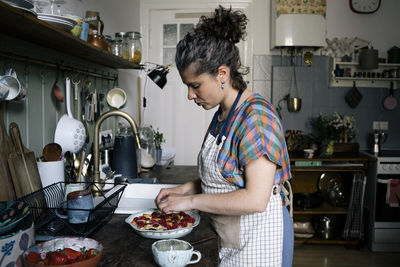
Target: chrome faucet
<point>96,155</point>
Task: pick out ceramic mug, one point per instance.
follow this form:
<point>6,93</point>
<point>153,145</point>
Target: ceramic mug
<point>79,204</point>
<point>174,253</point>
<point>16,91</point>
<point>308,153</point>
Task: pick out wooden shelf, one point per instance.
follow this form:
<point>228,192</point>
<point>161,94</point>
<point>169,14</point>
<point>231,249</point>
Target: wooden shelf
<point>27,27</point>
<point>325,208</point>
<point>362,81</point>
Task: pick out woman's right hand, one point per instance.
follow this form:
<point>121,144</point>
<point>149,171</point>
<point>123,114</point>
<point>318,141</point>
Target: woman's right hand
<point>164,192</point>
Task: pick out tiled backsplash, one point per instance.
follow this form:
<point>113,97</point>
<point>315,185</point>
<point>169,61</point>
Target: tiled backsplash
<point>272,79</point>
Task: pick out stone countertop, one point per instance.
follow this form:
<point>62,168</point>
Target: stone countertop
<point>172,174</point>
<point>124,247</point>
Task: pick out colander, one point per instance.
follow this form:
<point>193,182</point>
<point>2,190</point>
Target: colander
<point>70,133</point>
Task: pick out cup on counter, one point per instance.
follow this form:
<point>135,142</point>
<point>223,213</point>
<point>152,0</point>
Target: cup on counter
<point>72,188</point>
<point>174,253</point>
<point>51,172</point>
<point>79,204</point>
<point>308,153</point>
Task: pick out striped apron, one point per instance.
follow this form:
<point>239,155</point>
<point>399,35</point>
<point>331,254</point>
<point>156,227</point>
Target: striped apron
<point>248,240</point>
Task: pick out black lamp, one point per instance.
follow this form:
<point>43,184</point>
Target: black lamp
<point>159,75</point>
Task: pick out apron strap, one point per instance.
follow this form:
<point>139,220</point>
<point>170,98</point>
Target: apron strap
<point>228,119</point>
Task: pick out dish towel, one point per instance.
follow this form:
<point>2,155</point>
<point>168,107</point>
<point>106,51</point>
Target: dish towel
<point>393,193</point>
<point>354,226</point>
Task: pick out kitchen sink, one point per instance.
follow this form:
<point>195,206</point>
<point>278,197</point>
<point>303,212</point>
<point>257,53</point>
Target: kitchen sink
<point>140,195</point>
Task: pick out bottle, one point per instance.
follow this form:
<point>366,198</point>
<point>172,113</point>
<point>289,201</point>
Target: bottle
<point>135,47</point>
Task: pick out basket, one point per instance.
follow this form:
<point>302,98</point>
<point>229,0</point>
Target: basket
<point>47,204</point>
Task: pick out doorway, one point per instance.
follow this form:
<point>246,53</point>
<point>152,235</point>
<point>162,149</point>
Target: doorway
<point>168,110</point>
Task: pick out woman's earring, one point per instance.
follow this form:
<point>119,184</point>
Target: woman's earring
<point>223,85</point>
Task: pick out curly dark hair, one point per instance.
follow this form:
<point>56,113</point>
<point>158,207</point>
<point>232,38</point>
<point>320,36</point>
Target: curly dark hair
<point>212,44</point>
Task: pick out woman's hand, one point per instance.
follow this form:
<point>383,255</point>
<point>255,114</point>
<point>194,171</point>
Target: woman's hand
<point>172,202</point>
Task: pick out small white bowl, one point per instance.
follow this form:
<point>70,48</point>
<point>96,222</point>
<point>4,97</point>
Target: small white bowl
<point>116,98</point>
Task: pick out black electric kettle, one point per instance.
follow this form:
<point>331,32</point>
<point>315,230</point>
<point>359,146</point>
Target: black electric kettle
<point>124,156</point>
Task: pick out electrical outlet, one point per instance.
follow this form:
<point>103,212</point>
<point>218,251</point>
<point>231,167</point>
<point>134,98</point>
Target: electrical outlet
<point>376,125</point>
<point>105,133</point>
<point>384,125</point>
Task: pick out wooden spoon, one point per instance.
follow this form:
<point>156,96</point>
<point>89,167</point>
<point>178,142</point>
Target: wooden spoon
<point>57,91</point>
<point>52,152</point>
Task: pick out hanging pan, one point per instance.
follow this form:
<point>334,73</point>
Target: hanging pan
<point>353,96</point>
<point>390,102</point>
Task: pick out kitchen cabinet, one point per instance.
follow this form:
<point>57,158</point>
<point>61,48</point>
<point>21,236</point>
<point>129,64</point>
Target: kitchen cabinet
<point>23,25</point>
<point>349,70</point>
<point>305,180</point>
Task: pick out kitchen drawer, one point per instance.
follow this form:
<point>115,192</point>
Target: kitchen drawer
<point>387,235</point>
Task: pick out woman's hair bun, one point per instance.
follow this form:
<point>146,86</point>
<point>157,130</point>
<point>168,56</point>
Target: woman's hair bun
<point>226,24</point>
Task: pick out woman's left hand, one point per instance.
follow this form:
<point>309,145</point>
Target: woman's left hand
<point>174,203</point>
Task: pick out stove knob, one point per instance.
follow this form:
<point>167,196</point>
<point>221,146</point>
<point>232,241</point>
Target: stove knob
<point>383,167</point>
<point>391,167</point>
<point>397,167</point>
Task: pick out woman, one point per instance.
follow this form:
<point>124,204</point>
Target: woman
<point>243,159</point>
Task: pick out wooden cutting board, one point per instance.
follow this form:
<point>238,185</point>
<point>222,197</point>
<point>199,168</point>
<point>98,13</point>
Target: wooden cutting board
<point>7,192</point>
<point>23,166</point>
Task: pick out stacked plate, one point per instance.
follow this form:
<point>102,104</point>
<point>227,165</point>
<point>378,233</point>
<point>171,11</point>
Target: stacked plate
<point>61,22</point>
<point>25,5</point>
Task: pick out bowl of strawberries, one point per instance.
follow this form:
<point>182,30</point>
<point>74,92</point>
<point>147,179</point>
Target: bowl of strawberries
<point>64,251</point>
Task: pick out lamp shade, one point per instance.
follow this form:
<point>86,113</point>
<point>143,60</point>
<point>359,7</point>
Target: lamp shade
<point>159,75</point>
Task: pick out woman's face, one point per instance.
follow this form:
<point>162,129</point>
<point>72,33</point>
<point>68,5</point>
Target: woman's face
<point>204,89</point>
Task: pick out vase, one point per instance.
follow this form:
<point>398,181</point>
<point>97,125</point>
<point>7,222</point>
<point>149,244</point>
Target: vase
<point>159,156</point>
<point>329,148</point>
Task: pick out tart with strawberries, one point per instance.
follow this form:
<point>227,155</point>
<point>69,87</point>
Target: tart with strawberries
<point>154,224</point>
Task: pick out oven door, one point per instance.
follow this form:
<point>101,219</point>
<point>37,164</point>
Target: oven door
<point>388,198</point>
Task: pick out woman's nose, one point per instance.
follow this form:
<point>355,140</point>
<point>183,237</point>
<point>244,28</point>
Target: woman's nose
<point>191,94</point>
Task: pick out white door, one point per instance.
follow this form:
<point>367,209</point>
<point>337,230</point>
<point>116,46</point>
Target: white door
<point>182,122</point>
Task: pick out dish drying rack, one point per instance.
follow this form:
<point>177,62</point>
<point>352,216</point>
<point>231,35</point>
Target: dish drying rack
<point>47,203</point>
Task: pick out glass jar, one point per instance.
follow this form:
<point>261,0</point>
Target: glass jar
<point>116,47</point>
<point>135,47</point>
<point>123,36</point>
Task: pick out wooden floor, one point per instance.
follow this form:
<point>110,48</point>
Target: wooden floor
<point>340,256</point>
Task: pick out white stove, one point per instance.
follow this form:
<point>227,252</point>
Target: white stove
<point>388,165</point>
<point>383,219</point>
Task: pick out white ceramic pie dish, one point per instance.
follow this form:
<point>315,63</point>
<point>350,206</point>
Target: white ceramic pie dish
<point>165,234</point>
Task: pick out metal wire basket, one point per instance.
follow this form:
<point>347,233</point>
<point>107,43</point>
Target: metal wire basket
<point>48,207</point>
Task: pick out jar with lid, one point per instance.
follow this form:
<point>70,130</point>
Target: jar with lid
<point>123,36</point>
<point>135,47</point>
<point>116,47</point>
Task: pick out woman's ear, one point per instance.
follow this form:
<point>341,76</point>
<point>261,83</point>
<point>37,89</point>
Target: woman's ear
<point>223,74</point>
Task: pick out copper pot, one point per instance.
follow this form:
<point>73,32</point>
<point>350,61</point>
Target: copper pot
<point>98,39</point>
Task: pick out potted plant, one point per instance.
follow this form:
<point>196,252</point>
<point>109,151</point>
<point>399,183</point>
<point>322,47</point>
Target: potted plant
<point>158,140</point>
<point>331,130</point>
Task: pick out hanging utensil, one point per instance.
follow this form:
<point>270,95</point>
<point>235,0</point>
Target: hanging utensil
<point>353,96</point>
<point>57,93</point>
<point>294,103</point>
<point>70,133</point>
<point>390,102</point>
<point>76,98</point>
